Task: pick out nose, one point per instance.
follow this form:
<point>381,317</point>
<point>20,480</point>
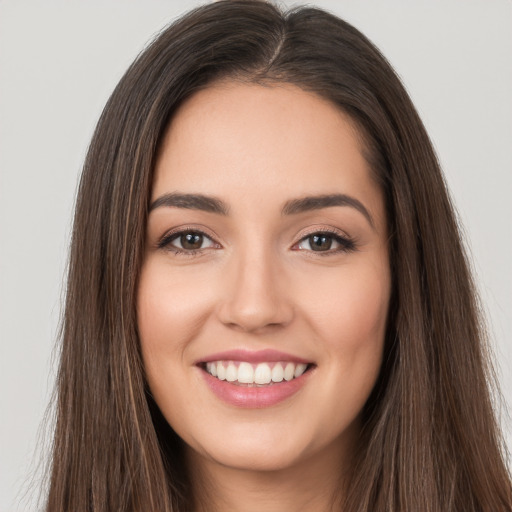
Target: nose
<point>255,293</point>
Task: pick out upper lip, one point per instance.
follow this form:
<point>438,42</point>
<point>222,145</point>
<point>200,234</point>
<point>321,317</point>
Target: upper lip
<point>252,356</point>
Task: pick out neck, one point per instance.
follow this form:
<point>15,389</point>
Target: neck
<point>315,483</point>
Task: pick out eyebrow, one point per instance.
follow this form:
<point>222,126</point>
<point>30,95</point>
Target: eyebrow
<point>292,207</point>
<point>191,202</point>
<point>309,203</point>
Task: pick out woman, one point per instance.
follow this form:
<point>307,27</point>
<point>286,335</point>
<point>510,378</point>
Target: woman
<point>268,302</point>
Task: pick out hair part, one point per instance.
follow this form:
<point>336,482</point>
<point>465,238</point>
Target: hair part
<point>430,441</point>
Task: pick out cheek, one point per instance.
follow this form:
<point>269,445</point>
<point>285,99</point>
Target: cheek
<point>169,313</point>
<point>170,309</point>
<point>350,327</point>
<point>349,307</point>
<point>349,320</point>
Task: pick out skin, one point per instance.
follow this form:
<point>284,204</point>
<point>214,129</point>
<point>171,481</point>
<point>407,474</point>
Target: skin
<point>257,284</point>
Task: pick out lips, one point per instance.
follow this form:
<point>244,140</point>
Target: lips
<point>251,379</point>
<point>260,356</point>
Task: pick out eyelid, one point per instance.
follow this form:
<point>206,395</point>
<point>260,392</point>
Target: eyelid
<point>321,229</point>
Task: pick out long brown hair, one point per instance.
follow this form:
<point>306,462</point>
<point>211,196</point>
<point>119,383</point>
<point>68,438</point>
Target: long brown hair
<point>430,440</point>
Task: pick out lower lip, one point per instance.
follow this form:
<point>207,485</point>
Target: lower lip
<point>255,397</point>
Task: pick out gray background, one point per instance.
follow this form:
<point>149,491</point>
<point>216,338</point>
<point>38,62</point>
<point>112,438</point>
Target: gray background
<point>59,61</point>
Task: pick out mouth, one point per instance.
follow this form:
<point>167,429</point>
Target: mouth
<point>247,374</point>
<point>255,379</point>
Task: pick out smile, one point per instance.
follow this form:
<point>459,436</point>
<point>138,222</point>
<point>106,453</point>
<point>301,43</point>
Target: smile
<point>261,374</point>
<point>255,380</point>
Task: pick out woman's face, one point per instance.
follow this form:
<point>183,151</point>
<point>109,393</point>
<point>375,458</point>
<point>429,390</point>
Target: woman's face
<point>264,292</point>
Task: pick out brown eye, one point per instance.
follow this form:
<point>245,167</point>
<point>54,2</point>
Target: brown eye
<point>187,242</point>
<point>326,242</point>
<point>320,242</point>
<point>191,241</point>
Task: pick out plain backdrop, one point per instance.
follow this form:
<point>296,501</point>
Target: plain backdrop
<point>60,60</point>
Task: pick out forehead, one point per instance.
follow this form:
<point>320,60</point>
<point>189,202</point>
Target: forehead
<point>253,141</point>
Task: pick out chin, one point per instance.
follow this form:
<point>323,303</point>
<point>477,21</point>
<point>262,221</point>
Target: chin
<point>251,457</point>
<point>260,449</point>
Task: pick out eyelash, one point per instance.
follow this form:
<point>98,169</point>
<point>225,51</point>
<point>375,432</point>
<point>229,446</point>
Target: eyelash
<point>165,242</point>
<point>346,243</point>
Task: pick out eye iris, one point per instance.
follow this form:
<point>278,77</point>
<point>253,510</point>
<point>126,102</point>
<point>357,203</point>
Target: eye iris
<point>191,241</point>
<point>320,242</point>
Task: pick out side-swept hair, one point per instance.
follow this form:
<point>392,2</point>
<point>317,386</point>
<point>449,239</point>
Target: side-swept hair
<point>430,441</point>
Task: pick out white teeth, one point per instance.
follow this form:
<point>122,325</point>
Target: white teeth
<point>221,371</point>
<point>211,368</point>
<point>289,371</point>
<point>231,373</point>
<point>277,373</point>
<point>245,373</point>
<point>260,374</point>
<point>300,369</point>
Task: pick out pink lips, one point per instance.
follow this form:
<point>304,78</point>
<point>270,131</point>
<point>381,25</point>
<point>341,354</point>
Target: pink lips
<point>253,397</point>
<point>261,356</point>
